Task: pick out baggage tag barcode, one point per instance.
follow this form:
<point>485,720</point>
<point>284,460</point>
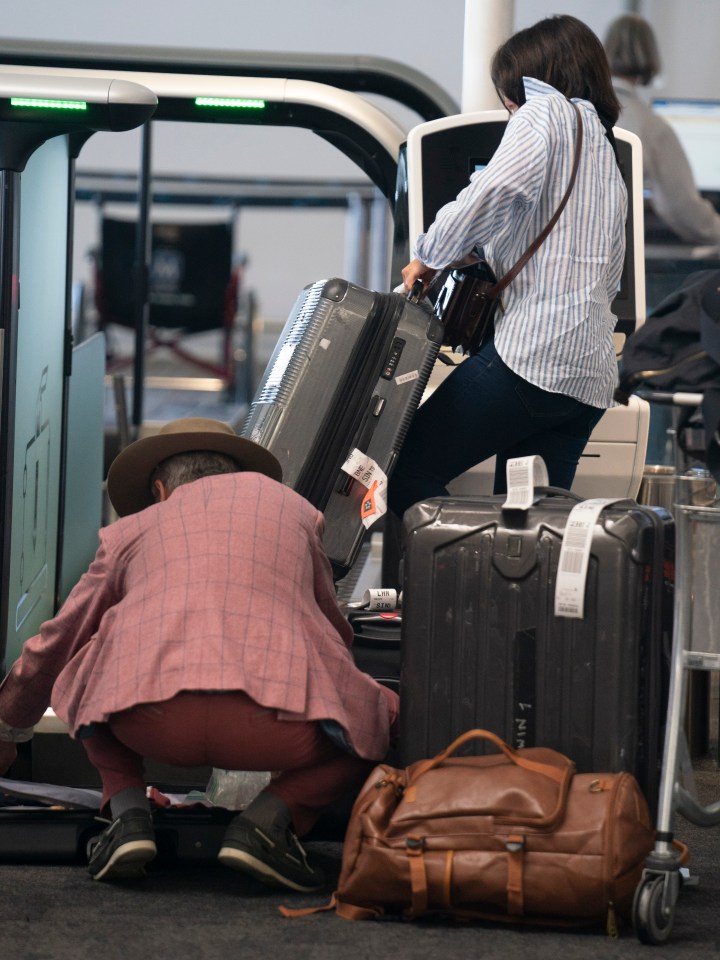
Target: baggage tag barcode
<point>523,475</point>
<point>575,557</point>
<point>369,473</point>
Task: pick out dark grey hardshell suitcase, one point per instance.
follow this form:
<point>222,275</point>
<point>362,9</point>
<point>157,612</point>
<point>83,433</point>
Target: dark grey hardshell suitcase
<point>348,372</point>
<point>482,647</point>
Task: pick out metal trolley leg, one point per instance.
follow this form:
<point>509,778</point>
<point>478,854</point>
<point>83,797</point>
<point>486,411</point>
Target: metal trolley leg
<point>696,646</point>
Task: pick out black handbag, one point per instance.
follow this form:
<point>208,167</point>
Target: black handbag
<point>471,294</point>
<point>466,306</point>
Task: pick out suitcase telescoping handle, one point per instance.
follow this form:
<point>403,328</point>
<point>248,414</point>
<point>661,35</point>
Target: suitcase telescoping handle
<point>416,292</point>
<point>569,495</point>
<point>544,769</point>
<point>558,492</point>
<point>415,295</point>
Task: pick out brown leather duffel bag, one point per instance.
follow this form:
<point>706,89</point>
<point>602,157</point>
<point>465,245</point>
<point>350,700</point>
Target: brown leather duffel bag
<point>514,836</point>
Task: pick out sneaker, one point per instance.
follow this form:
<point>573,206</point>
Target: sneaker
<point>123,849</point>
<point>279,862</point>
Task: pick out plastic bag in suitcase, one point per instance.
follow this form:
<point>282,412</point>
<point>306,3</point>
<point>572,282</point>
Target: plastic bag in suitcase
<point>482,646</point>
<point>344,381</point>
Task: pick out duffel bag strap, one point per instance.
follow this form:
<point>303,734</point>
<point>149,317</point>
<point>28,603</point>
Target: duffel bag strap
<point>347,911</point>
<point>307,911</point>
<point>419,891</point>
<point>515,847</point>
<point>415,849</point>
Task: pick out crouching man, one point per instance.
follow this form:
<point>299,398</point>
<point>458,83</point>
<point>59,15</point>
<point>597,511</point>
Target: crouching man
<point>206,632</point>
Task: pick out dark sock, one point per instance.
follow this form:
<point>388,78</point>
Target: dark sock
<point>132,798</point>
<point>270,813</point>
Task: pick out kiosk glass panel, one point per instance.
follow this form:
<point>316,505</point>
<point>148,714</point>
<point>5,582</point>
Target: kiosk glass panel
<point>38,393</point>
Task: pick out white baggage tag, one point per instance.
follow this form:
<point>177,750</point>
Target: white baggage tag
<point>369,473</point>
<point>380,598</point>
<point>384,600</point>
<point>575,557</point>
<point>523,475</point>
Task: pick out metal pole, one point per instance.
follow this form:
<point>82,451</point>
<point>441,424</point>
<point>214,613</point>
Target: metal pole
<point>488,23</point>
<point>355,239</point>
<point>143,247</point>
<point>380,224</point>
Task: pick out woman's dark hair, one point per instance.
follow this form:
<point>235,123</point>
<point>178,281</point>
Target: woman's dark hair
<point>631,49</point>
<point>563,52</point>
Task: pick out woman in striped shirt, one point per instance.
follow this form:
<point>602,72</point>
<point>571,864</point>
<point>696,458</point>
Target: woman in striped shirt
<point>545,380</point>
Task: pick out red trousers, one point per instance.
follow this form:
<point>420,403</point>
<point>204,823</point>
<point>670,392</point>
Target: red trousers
<point>232,732</point>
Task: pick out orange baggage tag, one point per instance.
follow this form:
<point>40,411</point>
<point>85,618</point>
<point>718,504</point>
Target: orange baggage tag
<point>368,508</point>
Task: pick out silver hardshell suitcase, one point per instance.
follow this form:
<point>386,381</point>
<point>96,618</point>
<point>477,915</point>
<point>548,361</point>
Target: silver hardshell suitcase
<point>344,380</point>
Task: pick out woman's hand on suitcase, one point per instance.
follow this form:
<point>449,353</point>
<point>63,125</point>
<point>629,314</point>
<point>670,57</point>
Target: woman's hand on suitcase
<point>417,270</point>
<point>8,755</point>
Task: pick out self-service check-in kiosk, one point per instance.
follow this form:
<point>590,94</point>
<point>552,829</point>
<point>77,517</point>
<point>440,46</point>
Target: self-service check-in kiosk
<point>435,165</point>
<point>44,121</point>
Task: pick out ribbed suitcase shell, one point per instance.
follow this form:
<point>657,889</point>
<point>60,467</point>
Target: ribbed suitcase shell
<point>348,371</point>
<point>482,647</point>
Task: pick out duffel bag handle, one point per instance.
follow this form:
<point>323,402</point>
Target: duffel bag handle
<point>544,769</point>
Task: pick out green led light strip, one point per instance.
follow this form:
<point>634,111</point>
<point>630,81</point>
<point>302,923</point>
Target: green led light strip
<point>49,104</point>
<point>242,103</point>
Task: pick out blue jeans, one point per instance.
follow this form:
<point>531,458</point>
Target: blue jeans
<point>483,409</point>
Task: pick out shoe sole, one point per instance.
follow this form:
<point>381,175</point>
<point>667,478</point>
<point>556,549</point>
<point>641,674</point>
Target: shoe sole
<point>128,860</point>
<point>247,863</point>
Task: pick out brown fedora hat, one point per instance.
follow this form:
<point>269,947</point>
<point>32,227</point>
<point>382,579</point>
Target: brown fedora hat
<point>128,481</point>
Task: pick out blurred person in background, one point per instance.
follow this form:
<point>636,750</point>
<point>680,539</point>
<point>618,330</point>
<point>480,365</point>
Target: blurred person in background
<point>634,60</point>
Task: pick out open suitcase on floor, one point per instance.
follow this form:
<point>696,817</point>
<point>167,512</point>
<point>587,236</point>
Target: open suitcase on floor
<point>482,646</point>
<point>49,835</point>
<point>345,379</point>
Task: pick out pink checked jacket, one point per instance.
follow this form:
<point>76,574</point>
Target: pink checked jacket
<point>224,586</point>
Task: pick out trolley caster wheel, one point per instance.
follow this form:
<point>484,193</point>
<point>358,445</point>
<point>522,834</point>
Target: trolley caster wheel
<point>650,922</point>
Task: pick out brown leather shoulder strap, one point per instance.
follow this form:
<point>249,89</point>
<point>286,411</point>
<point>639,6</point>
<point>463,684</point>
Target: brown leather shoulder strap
<point>515,270</point>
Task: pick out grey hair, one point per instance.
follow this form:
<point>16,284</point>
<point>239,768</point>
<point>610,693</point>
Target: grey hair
<point>631,49</point>
<point>185,467</point>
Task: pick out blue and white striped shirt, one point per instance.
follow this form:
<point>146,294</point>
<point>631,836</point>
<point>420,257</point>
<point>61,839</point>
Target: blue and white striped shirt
<point>556,331</point>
